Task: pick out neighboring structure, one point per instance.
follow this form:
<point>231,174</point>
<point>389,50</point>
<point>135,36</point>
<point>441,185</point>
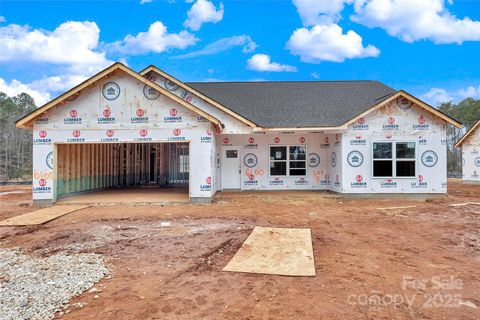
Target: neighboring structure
<point>122,128</point>
<point>470,144</point>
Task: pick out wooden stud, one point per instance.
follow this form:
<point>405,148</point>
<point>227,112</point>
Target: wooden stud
<point>105,163</point>
<point>73,162</point>
<point>77,167</point>
<point>67,168</point>
<point>127,164</point>
<point>136,156</point>
<point>89,167</point>
<point>94,168</point>
<point>102,165</point>
<point>108,163</point>
<point>114,160</point>
<point>115,165</point>
<point>121,159</point>
<point>80,167</point>
<point>97,166</point>
<point>84,167</point>
<point>60,165</point>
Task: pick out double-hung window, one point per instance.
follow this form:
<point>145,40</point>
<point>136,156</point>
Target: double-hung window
<point>288,161</point>
<point>394,159</point>
<point>278,161</point>
<point>297,165</point>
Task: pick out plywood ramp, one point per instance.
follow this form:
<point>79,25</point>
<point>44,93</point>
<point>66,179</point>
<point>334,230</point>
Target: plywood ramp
<point>41,216</point>
<point>281,251</point>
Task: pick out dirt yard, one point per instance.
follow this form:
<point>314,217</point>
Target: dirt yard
<point>416,262</point>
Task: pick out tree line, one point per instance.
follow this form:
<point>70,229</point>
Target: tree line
<point>16,144</point>
<point>467,112</point>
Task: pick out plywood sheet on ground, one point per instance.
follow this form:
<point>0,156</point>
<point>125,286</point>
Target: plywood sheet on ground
<point>41,216</point>
<point>282,251</point>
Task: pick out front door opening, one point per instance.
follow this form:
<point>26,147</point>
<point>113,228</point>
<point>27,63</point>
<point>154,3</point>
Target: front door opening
<point>230,171</point>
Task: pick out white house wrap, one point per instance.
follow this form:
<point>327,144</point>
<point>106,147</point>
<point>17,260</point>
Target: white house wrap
<point>121,128</point>
<point>470,144</point>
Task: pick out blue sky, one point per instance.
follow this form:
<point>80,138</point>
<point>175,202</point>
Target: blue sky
<point>429,48</point>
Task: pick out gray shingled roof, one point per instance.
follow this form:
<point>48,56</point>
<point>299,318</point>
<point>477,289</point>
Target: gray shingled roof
<point>296,104</point>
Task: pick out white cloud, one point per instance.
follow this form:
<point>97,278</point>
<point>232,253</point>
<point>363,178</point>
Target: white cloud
<point>145,1</point>
<point>43,89</point>
<point>315,75</point>
<point>71,50</point>
<point>213,80</point>
<point>155,39</point>
<point>203,11</point>
<point>469,92</point>
<point>328,43</point>
<point>57,84</point>
<point>225,44</point>
<point>436,96</point>
<point>262,62</point>
<point>314,12</point>
<point>2,19</point>
<point>72,42</point>
<point>16,87</point>
<point>413,20</point>
<point>71,53</point>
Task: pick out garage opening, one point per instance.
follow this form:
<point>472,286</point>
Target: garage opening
<point>156,168</point>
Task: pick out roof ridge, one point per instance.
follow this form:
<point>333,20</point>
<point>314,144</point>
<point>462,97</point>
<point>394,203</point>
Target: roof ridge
<point>286,81</point>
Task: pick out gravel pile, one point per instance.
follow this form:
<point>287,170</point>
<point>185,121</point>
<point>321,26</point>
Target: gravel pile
<point>36,288</point>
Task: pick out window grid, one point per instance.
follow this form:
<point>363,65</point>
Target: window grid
<point>394,159</point>
<point>288,160</point>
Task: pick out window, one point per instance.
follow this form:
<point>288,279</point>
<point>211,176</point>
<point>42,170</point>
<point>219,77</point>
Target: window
<point>288,159</point>
<point>393,159</point>
<point>278,161</point>
<point>382,159</point>
<point>405,164</point>
<point>183,163</point>
<point>298,161</point>
<point>231,153</point>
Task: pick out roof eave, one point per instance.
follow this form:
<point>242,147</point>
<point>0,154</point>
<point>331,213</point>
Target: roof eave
<point>468,133</point>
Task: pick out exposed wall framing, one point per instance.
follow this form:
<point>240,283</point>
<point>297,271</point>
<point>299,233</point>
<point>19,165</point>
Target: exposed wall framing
<point>84,167</point>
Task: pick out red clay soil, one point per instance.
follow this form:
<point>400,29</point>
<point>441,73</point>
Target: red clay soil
<point>419,262</point>
<point>15,200</point>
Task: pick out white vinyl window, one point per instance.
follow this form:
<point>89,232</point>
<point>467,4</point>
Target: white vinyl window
<point>394,159</point>
<point>288,160</point>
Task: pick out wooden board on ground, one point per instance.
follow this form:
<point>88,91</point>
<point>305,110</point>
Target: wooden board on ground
<point>41,216</point>
<point>281,251</point>
<point>397,208</point>
<point>465,204</point>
